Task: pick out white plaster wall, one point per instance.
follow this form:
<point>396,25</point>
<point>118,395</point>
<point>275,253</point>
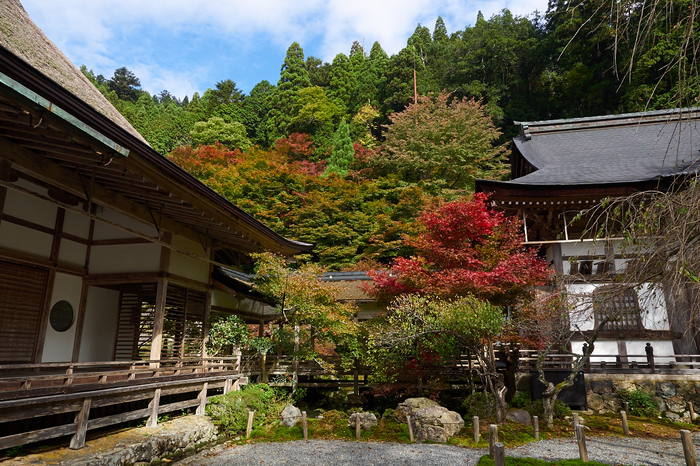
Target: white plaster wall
<point>104,231</point>
<point>663,350</point>
<point>30,208</point>
<point>601,347</point>
<point>581,312</point>
<point>72,253</point>
<point>58,346</point>
<point>124,258</point>
<point>76,224</point>
<point>100,325</point>
<point>187,266</point>
<point>653,306</point>
<point>221,299</point>
<point>583,248</point>
<point>20,239</point>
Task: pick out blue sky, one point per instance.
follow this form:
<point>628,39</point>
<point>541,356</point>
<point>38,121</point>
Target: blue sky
<point>189,45</point>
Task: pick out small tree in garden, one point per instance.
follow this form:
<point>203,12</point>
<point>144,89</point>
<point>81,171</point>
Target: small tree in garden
<point>443,327</point>
<point>309,306</point>
<point>227,334</point>
<point>466,250</point>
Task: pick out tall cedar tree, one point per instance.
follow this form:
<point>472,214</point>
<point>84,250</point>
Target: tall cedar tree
<point>343,152</point>
<point>293,77</point>
<point>465,249</point>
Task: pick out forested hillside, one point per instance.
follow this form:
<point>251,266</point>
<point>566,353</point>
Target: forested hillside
<point>340,154</point>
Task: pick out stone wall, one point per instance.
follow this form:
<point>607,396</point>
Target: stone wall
<point>671,393</point>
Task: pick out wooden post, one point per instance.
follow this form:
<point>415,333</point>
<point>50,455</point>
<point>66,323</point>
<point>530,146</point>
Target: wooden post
<point>227,385</point>
<point>499,455</point>
<point>691,410</point>
<point>688,448</point>
<point>627,406</point>
<point>154,406</point>
<point>81,421</point>
<point>536,426</point>
<point>493,438</point>
<point>476,429</point>
<point>576,421</point>
<point>201,409</point>
<point>249,428</point>
<point>304,427</point>
<point>581,440</point>
<point>410,428</point>
<point>356,379</point>
<point>625,426</point>
<point>650,357</point>
<point>358,428</point>
<point>158,320</point>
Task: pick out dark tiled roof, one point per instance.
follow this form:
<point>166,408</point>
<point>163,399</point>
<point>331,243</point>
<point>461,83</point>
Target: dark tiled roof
<point>611,149</point>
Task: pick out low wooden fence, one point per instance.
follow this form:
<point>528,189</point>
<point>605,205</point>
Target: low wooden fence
<point>59,399</point>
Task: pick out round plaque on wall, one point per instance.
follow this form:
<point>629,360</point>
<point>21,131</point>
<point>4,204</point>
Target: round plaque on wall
<point>61,316</point>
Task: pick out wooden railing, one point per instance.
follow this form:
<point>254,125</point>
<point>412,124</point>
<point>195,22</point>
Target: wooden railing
<point>59,397</point>
<point>616,363</point>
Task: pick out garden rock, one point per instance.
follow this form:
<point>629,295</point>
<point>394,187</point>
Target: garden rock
<point>665,389</point>
<point>290,416</point>
<point>595,402</point>
<point>520,416</point>
<point>410,405</point>
<point>435,424</point>
<point>366,420</point>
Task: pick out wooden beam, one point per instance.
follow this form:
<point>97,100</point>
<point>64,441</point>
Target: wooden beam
<point>79,321</point>
<point>32,260</point>
<point>44,318</point>
<point>45,170</point>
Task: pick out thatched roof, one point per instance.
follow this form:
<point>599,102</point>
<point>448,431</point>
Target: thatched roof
<point>23,38</point>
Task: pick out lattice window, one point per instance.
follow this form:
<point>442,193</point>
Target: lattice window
<point>183,324</point>
<point>137,307</point>
<point>620,305</point>
<point>22,291</point>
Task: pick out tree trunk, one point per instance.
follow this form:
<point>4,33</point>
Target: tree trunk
<point>295,370</point>
<point>263,367</point>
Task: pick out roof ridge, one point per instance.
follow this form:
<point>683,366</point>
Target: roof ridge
<point>528,128</point>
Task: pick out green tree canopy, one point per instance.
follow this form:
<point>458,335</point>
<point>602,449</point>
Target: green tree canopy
<point>449,144</point>
<point>232,135</point>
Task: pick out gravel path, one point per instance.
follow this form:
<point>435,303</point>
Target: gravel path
<point>608,450</point>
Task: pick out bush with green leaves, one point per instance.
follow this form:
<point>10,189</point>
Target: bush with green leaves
<point>226,334</point>
<point>481,404</point>
<point>230,412</point>
<point>521,400</point>
<point>641,404</point>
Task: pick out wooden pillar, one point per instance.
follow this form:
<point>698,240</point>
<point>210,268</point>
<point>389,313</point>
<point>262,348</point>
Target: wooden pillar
<point>79,321</point>
<point>5,168</point>
<point>153,407</point>
<point>207,324</point>
<point>81,421</point>
<point>557,259</point>
<point>201,409</point>
<point>158,320</point>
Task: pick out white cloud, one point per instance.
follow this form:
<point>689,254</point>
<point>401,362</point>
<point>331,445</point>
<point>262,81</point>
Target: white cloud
<point>105,34</point>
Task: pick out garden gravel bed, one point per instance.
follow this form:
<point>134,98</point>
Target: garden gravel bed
<point>608,450</point>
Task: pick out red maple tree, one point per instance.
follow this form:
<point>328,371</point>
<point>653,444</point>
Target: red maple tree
<point>465,248</point>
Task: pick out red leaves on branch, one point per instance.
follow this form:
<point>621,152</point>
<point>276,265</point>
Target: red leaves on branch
<point>465,248</point>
